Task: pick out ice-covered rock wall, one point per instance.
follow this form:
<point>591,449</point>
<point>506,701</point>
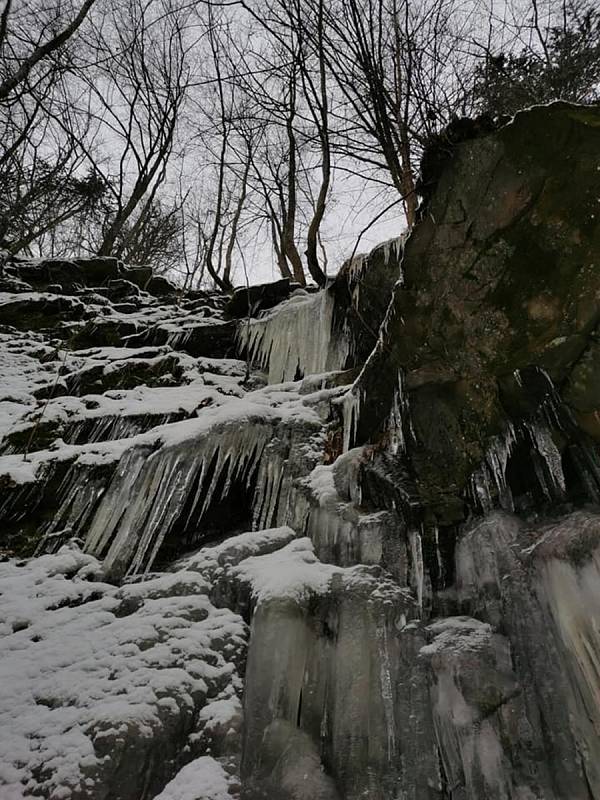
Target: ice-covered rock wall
<point>331,545</point>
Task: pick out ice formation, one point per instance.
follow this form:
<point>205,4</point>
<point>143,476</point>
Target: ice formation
<point>295,338</point>
<point>151,491</point>
<point>351,403</point>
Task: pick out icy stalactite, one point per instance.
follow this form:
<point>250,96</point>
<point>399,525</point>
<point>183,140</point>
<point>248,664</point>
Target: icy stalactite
<point>296,337</point>
<point>351,403</point>
<point>489,484</point>
<point>393,248</point>
<point>78,494</point>
<point>177,485</point>
<point>398,424</point>
<point>387,692</point>
<point>399,419</point>
<point>354,273</point>
<point>548,469</point>
<point>490,479</point>
<point>438,555</point>
<point>268,491</point>
<point>418,569</point>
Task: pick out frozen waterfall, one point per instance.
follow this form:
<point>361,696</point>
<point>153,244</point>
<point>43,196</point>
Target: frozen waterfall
<point>296,338</point>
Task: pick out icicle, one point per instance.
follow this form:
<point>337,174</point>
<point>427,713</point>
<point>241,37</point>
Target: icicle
<point>295,336</point>
<point>438,555</point>
<point>490,478</point>
<point>550,456</point>
<point>116,500</point>
<point>350,414</point>
<point>399,418</point>
<point>393,246</point>
<point>78,494</point>
<point>416,551</point>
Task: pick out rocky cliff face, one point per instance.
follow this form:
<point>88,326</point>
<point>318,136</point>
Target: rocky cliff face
<point>302,546</point>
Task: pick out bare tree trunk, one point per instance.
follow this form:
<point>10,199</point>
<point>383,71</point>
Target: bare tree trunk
<point>289,222</point>
<point>236,220</point>
<point>322,122</point>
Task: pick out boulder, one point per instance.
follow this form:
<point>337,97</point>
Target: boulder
<point>251,300</point>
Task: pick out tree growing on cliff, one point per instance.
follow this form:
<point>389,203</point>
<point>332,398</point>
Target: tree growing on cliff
<point>554,59</point>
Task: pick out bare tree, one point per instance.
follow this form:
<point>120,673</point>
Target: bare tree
<point>26,45</point>
<point>390,60</point>
<point>45,179</point>
<point>138,94</point>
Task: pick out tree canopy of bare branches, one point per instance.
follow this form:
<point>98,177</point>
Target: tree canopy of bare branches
<point>190,135</point>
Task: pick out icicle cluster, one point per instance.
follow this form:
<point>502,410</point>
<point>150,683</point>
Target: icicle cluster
<point>394,247</point>
<point>489,485</point>
<point>150,493</point>
<point>418,569</point>
<point>399,418</point>
<point>79,494</point>
<point>296,337</point>
<point>489,480</point>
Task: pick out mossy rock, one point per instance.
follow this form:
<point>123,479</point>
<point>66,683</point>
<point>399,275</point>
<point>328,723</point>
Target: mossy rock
<point>503,274</point>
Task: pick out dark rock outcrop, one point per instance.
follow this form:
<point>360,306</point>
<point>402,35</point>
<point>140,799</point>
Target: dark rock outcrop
<point>496,318</point>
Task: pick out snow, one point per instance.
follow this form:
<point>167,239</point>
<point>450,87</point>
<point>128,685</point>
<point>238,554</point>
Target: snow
<point>292,573</point>
<point>86,668</point>
<point>321,482</point>
<point>236,548</point>
<point>23,374</point>
<point>457,634</point>
<point>202,779</point>
<point>113,409</point>
<point>14,469</point>
<point>220,713</point>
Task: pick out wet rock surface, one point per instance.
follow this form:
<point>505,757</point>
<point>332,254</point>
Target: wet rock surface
<point>298,545</point>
